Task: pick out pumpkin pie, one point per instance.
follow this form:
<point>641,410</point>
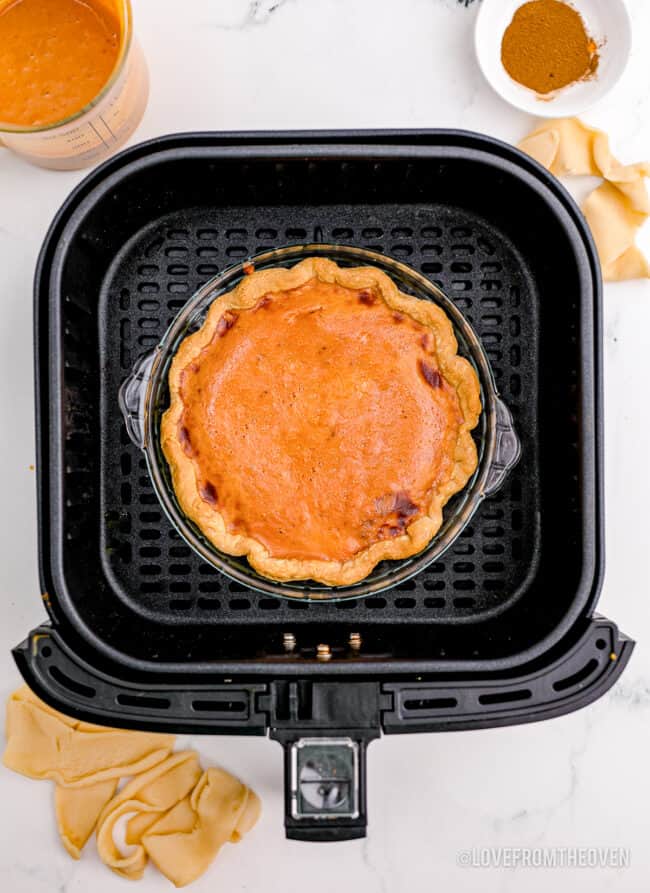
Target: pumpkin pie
<point>319,421</point>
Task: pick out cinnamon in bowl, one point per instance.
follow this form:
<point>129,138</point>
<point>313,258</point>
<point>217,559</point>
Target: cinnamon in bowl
<point>547,47</point>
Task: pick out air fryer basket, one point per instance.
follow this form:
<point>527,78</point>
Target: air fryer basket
<point>144,397</point>
<point>144,633</point>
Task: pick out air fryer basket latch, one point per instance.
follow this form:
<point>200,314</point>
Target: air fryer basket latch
<point>325,728</point>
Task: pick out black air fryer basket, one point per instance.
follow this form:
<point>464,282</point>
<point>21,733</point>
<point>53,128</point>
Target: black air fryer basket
<point>145,634</point>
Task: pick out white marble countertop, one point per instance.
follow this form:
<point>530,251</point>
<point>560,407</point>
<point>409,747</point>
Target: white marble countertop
<point>581,780</point>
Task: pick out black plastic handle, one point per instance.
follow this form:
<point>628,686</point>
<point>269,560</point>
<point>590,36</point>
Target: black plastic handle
<point>325,728</point>
<point>325,785</point>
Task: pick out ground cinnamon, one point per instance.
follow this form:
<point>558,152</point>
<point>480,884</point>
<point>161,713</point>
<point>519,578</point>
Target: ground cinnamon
<point>547,46</point>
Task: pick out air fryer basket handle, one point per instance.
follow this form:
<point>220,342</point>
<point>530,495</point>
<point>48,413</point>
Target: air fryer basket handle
<point>325,728</point>
<point>507,449</point>
<point>132,397</point>
<point>324,724</point>
<point>325,784</point>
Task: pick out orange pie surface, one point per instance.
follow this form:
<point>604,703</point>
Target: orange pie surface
<point>318,423</point>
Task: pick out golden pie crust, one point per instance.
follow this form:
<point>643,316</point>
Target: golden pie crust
<point>319,421</point>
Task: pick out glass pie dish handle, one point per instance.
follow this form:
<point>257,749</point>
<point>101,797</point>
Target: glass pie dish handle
<point>507,449</point>
<point>132,397</point>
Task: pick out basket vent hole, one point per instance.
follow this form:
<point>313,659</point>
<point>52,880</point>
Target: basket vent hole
<point>219,706</point>
<point>493,567</point>
<point>375,603</point>
<point>149,517</point>
<point>493,548</point>
<point>576,678</point>
<point>463,567</point>
<point>180,604</point>
<point>430,602</point>
<point>430,704</point>
<point>505,697</point>
<point>46,651</point>
<point>178,269</point>
<point>601,644</point>
<point>179,569</point>
<point>86,691</point>
<point>143,701</point>
<point>150,570</point>
<point>175,251</point>
<point>148,288</point>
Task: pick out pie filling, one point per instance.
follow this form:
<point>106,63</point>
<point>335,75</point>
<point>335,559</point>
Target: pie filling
<point>318,422</point>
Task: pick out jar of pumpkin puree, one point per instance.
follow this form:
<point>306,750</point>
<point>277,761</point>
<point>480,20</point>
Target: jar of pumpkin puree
<point>74,81</point>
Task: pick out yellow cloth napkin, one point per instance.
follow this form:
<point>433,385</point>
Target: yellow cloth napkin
<point>178,815</point>
<point>617,208</point>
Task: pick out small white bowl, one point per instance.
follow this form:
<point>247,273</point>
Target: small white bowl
<point>607,21</point>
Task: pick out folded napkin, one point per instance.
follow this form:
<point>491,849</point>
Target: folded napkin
<point>179,815</point>
<point>617,208</point>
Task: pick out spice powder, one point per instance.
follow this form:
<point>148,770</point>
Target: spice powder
<point>547,46</point>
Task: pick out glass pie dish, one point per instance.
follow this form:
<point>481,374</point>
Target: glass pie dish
<point>144,397</point>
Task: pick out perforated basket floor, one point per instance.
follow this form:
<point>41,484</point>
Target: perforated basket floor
<point>166,262</point>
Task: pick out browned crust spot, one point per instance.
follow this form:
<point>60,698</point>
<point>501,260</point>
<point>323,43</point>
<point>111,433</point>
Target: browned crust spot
<point>430,375</point>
